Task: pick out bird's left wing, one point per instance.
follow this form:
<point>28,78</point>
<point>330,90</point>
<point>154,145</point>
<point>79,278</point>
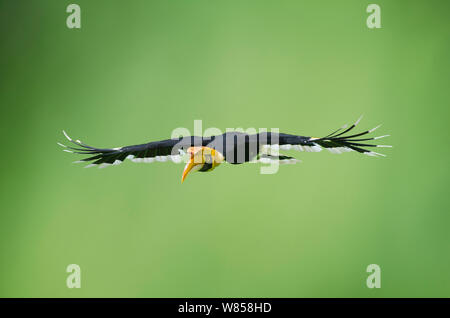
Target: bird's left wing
<point>164,150</point>
<point>337,142</point>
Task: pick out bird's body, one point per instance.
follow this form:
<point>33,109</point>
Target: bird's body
<point>232,147</point>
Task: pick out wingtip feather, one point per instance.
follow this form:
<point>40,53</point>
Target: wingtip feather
<point>66,135</point>
<point>359,119</point>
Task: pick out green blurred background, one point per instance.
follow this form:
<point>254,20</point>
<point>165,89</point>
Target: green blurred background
<point>136,70</point>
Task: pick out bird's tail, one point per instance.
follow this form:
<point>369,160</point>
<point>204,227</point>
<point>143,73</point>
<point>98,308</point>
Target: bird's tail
<point>339,141</point>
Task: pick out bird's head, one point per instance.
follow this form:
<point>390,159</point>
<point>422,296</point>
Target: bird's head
<point>202,159</point>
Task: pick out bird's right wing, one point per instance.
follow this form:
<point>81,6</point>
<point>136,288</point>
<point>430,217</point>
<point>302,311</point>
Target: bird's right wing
<point>164,150</point>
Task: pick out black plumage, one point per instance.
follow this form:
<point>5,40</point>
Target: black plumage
<point>236,147</point>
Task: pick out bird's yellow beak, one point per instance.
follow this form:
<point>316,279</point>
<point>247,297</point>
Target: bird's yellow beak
<point>196,159</point>
<point>187,168</point>
<point>199,157</point>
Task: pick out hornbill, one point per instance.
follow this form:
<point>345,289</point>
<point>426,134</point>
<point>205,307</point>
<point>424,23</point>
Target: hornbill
<point>206,153</point>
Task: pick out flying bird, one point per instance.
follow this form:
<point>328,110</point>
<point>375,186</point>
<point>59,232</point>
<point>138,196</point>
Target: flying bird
<point>206,153</point>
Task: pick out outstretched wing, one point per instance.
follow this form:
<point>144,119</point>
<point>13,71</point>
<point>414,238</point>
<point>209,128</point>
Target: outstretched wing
<point>173,149</point>
<point>164,150</point>
<point>337,142</point>
<point>340,141</point>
